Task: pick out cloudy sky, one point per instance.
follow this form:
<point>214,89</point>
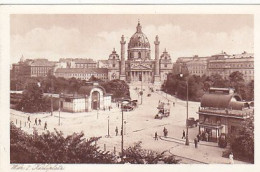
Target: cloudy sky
<point>95,36</point>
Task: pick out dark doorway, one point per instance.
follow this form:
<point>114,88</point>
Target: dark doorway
<point>95,100</point>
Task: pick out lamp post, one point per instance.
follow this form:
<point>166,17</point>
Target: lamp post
<point>51,96</point>
<point>187,110</point>
<point>108,135</point>
<point>122,134</point>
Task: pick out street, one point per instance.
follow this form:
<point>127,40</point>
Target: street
<point>140,126</point>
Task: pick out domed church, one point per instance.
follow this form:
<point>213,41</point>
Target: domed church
<point>139,66</point>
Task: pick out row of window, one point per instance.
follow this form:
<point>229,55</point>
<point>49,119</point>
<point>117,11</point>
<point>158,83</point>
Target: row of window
<point>222,65</point>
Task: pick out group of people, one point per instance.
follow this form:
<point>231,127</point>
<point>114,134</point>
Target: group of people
<point>38,122</point>
<point>165,133</point>
<point>116,130</point>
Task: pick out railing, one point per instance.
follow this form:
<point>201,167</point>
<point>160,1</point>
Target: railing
<point>210,123</point>
<point>228,112</point>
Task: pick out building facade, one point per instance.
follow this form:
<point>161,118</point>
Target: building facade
<point>92,97</point>
<point>33,68</point>
<point>138,66</point>
<point>224,66</point>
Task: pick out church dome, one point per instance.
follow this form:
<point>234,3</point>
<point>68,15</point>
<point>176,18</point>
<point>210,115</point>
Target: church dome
<point>139,39</point>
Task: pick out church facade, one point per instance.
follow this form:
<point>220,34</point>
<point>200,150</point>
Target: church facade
<point>135,64</point>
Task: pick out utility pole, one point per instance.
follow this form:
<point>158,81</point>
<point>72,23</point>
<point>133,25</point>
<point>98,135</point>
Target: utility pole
<point>108,126</point>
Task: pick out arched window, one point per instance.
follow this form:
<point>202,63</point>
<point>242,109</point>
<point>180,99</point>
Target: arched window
<point>139,54</point>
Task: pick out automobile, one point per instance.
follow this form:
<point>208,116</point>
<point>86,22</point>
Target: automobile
<point>163,110</point>
<point>191,122</point>
<point>127,107</point>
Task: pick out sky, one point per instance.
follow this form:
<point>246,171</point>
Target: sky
<point>55,36</point>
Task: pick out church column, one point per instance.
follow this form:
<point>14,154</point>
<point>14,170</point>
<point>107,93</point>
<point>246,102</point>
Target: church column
<point>122,70</point>
<point>156,72</point>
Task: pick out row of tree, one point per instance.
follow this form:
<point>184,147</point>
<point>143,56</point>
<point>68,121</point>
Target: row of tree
<point>197,86</point>
<point>53,147</point>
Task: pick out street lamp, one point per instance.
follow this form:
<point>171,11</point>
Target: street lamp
<point>108,135</point>
<point>187,106</point>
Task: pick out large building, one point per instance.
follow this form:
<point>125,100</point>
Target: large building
<point>139,66</point>
<point>225,65</point>
<point>32,68</point>
<point>222,64</point>
<point>222,111</point>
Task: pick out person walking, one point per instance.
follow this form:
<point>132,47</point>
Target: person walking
<point>164,132</point>
<point>35,122</point>
<point>29,120</point>
<point>196,142</point>
<point>39,121</point>
<point>156,136</point>
<point>116,130</point>
<point>45,125</point>
<point>183,134</point>
<point>231,158</point>
<point>207,136</point>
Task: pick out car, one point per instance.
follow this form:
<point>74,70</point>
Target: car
<point>127,108</point>
<point>191,122</point>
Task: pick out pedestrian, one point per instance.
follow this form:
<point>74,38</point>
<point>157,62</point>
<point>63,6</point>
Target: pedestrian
<point>45,125</point>
<point>164,132</point>
<point>231,158</point>
<point>29,120</point>
<point>183,134</point>
<point>156,136</point>
<point>116,130</point>
<point>196,142</point>
<point>109,107</point>
<point>198,137</point>
<point>173,103</point>
<point>35,122</point>
<point>39,121</point>
<point>207,136</point>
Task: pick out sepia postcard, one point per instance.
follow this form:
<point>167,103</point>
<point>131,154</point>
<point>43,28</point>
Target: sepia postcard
<point>129,87</point>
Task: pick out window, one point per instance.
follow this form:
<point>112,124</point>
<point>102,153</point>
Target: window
<point>139,54</point>
<point>165,65</point>
<point>114,65</point>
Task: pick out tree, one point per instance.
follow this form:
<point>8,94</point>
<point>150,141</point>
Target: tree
<point>136,155</point>
<point>242,143</point>
<point>55,148</point>
<point>118,88</point>
<point>32,99</point>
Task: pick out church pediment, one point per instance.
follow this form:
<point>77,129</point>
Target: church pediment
<point>140,66</point>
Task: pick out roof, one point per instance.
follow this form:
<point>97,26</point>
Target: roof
<point>139,39</point>
<point>238,105</point>
<point>81,70</point>
<point>87,89</point>
<point>40,62</point>
<point>77,60</point>
<point>218,100</point>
